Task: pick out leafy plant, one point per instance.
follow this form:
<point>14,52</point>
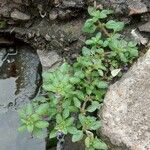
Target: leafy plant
<point>75,92</point>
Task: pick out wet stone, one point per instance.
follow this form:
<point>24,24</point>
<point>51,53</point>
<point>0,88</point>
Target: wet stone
<point>20,79</point>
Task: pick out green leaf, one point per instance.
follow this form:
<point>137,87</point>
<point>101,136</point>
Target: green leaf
<point>52,134</point>
<point>79,74</point>
<point>30,128</point>
<point>95,105</point>
<point>115,72</point>
<point>86,51</point>
<point>77,103</point>
<point>89,42</point>
<point>59,118</point>
<point>72,130</point>
<point>89,26</point>
<point>74,80</point>
<point>69,121</point>
<point>116,26</point>
<point>87,142</point>
<point>102,85</point>
<point>22,128</point>
<point>78,136</point>
<point>42,124</point>
<point>92,11</point>
<point>97,144</point>
<point>42,109</point>
<point>66,113</point>
<point>22,113</point>
<point>95,125</point>
<point>29,109</point>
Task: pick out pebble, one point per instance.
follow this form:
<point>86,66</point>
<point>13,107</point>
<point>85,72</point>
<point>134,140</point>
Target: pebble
<point>18,15</point>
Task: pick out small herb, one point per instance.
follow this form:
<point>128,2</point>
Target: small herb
<point>80,88</point>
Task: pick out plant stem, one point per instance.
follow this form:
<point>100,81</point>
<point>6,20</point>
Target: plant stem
<point>100,25</point>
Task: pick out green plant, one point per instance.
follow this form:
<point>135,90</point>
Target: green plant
<point>2,24</point>
<point>75,92</point>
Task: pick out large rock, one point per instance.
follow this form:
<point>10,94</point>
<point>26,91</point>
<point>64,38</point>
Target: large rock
<point>126,111</point>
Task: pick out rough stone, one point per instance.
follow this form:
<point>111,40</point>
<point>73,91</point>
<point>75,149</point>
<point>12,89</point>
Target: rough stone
<point>125,113</point>
<point>53,15</point>
<point>145,27</point>
<point>2,56</point>
<point>137,7</point>
<point>18,1</point>
<point>18,15</point>
<point>49,59</point>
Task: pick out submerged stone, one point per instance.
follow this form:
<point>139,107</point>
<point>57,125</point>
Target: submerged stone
<point>125,114</point>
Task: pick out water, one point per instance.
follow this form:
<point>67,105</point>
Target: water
<point>20,81</point>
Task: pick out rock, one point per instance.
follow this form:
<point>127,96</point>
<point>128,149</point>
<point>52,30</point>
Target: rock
<point>64,15</point>
<point>2,56</point>
<point>4,41</point>
<point>137,7</point>
<point>18,15</point>
<point>145,27</point>
<point>18,1</point>
<point>53,15</point>
<point>73,3</point>
<point>20,77</point>
<point>138,37</point>
<point>125,114</point>
<point>49,59</point>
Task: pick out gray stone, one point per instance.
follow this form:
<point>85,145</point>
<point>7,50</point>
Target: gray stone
<point>145,27</point>
<point>2,56</point>
<point>126,110</point>
<point>18,15</point>
<point>137,7</point>
<point>18,1</point>
<point>49,59</point>
<point>53,15</point>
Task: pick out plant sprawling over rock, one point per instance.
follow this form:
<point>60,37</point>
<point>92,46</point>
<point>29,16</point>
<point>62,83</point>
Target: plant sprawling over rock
<point>75,92</point>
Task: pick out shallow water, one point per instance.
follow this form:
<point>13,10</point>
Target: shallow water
<point>20,81</point>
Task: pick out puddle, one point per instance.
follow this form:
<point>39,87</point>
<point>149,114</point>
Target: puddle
<point>20,80</point>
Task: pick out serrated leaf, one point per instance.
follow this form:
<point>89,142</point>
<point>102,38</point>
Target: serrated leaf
<point>22,128</point>
<point>89,26</point>
<point>95,105</point>
<point>115,72</point>
<point>72,130</point>
<point>97,144</point>
<point>69,121</point>
<point>66,113</point>
<point>77,103</point>
<point>52,134</point>
<point>30,128</point>
<point>96,125</point>
<point>74,80</point>
<point>29,109</point>
<point>42,124</point>
<point>59,118</point>
<point>78,136</point>
<point>42,109</point>
<point>86,51</point>
<point>116,26</point>
<point>102,85</point>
